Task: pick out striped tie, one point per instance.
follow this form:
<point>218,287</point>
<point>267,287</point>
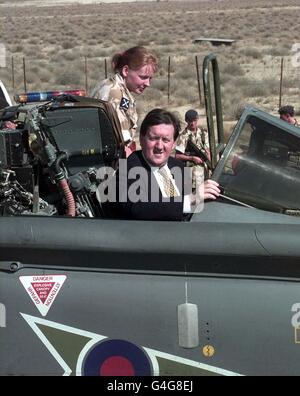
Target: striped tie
<point>167,183</point>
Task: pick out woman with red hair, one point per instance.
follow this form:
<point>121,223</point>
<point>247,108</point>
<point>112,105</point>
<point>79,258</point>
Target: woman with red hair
<point>134,69</point>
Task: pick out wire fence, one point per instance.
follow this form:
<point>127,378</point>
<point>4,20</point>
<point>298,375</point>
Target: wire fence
<point>176,82</point>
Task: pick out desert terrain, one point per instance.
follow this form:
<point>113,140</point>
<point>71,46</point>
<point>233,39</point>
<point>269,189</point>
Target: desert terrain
<point>65,44</point>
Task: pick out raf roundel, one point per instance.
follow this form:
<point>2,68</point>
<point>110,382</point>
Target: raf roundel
<point>116,358</point>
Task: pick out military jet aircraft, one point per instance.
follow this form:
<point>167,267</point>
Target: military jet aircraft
<point>217,294</point>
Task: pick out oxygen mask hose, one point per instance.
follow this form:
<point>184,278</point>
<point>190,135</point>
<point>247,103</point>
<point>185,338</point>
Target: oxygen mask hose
<point>63,184</point>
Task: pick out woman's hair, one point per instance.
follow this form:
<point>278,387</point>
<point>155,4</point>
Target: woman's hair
<point>134,58</point>
<point>160,116</point>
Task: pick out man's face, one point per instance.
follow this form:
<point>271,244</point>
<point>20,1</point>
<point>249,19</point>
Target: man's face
<point>288,118</point>
<point>138,80</point>
<point>158,144</point>
<point>193,125</point>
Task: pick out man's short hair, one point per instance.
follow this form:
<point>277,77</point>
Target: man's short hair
<point>160,116</point>
<point>283,110</point>
<point>191,115</point>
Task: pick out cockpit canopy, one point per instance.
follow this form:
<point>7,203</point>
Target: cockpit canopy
<point>261,163</point>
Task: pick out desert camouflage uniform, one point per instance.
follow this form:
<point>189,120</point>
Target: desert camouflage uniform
<point>200,139</point>
<point>114,91</point>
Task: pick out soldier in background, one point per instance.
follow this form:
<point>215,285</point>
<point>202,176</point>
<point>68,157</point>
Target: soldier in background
<point>134,69</point>
<point>199,137</point>
<point>287,113</point>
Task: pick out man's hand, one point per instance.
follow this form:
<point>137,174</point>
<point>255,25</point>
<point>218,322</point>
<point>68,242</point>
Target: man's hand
<point>211,189</point>
<point>130,148</point>
<point>9,125</point>
<point>128,151</point>
<point>196,160</point>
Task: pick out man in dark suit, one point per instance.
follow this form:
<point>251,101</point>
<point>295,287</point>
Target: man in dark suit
<point>154,185</point>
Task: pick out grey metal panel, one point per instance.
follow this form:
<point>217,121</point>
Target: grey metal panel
<point>125,280</point>
<point>279,240</point>
<point>25,233</point>
<point>248,322</point>
<point>157,247</point>
<point>217,212</point>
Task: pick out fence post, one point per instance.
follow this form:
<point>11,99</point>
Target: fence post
<point>169,78</point>
<point>13,73</point>
<point>86,74</point>
<point>24,75</point>
<point>198,80</point>
<point>105,68</point>
<point>281,79</point>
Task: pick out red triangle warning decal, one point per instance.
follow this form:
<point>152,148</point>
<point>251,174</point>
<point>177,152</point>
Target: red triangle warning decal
<point>43,289</point>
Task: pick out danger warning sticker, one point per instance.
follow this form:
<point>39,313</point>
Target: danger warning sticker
<point>43,289</point>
